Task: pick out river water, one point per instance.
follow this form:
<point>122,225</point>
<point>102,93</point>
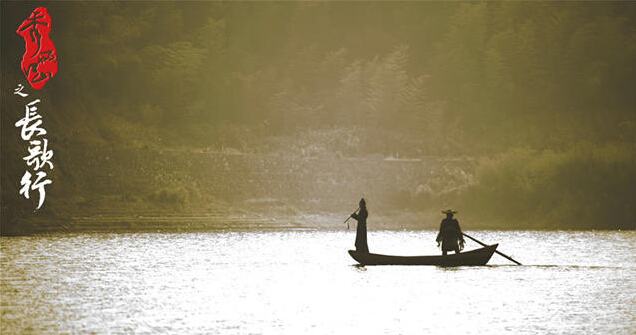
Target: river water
<point>298,282</point>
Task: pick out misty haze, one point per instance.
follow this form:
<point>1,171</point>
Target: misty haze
<point>221,115</point>
<point>318,167</point>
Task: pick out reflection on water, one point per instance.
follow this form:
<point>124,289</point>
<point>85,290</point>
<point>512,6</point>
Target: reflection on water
<point>298,282</point>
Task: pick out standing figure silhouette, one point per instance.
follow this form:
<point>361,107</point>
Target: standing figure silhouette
<point>361,231</point>
<point>450,233</point>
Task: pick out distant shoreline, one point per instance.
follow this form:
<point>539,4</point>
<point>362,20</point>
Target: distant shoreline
<point>237,223</point>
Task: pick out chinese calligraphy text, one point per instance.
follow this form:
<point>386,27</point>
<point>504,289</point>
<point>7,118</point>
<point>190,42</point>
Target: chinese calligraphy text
<point>39,155</point>
<point>39,62</point>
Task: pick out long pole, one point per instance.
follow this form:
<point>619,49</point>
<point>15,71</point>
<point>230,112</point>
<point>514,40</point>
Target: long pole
<point>506,256</point>
<point>350,218</point>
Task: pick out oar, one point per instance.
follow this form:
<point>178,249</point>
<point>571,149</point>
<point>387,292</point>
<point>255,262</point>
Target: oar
<point>474,239</point>
<point>350,218</point>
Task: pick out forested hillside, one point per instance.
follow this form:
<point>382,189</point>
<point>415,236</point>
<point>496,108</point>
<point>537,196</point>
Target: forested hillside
<point>540,95</point>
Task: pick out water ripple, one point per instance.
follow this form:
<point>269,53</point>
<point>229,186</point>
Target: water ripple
<point>290,282</point>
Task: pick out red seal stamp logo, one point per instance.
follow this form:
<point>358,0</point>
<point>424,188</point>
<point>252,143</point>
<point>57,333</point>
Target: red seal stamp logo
<point>39,62</point>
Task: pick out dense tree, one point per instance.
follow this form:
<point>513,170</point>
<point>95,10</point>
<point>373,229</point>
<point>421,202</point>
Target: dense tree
<point>467,78</point>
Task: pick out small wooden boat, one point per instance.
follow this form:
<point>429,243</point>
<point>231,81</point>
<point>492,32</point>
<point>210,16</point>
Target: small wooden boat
<point>474,257</point>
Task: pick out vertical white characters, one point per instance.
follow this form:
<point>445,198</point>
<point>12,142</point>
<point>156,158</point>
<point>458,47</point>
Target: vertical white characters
<point>39,155</point>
